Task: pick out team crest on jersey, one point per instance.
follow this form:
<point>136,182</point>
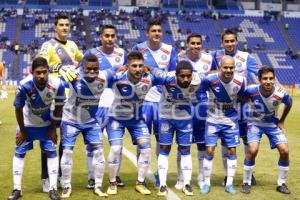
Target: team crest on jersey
<point>238,64</point>
<point>100,86</point>
<point>117,59</point>
<point>49,95</point>
<point>144,88</point>
<point>235,89</point>
<point>163,57</point>
<point>192,89</point>
<point>164,127</point>
<point>205,67</point>
<point>275,103</point>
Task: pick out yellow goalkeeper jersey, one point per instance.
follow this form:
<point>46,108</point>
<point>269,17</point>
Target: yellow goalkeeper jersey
<point>57,52</point>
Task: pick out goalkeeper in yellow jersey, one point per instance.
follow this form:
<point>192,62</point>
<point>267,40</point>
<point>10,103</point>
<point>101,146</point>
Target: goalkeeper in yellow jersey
<point>63,56</point>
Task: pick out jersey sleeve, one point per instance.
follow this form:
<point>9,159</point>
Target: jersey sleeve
<point>46,51</point>
<point>78,54</point>
<point>287,99</point>
<point>242,89</point>
<point>60,95</point>
<point>252,65</point>
<point>20,98</point>
<point>158,76</point>
<point>204,87</point>
<point>173,61</point>
<point>214,65</point>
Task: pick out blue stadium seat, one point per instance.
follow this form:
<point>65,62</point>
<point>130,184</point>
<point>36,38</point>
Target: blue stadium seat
<point>170,4</point>
<point>69,2</point>
<point>195,4</point>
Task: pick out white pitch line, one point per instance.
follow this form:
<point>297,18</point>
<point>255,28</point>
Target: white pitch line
<point>171,195</point>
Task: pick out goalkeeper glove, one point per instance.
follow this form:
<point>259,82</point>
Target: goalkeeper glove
<point>68,72</point>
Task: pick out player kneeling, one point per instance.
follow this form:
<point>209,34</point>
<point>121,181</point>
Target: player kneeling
<point>79,116</point>
<point>266,98</point>
<point>34,98</point>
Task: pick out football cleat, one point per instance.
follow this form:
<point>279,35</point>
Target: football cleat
<point>187,190</point>
<point>112,188</point>
<point>163,191</point>
<point>119,182</point>
<point>283,189</point>
<point>205,189</point>
<point>91,184</point>
<point>230,189</point>
<point>16,194</point>
<point>141,188</point>
<point>100,192</point>
<point>53,195</point>
<point>246,188</point>
<point>66,193</point>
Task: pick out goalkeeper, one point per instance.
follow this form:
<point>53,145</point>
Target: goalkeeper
<point>63,56</point>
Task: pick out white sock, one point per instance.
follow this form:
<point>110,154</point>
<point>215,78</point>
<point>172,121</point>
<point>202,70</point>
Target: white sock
<point>162,165</point>
<point>89,162</point>
<point>231,169</point>
<point>113,161</point>
<point>186,167</point>
<point>66,165</point>
<point>200,156</point>
<point>18,167</point>
<point>282,174</point>
<point>207,165</point>
<point>52,164</point>
<point>120,161</point>
<point>179,171</point>
<point>144,163</point>
<point>98,165</point>
<point>224,158</point>
<point>248,171</point>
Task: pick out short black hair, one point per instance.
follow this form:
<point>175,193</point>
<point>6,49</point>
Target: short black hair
<point>184,64</point>
<point>152,23</point>
<point>90,58</point>
<point>38,62</point>
<point>265,69</point>
<point>60,16</point>
<point>196,35</point>
<point>135,55</point>
<point>107,26</point>
<point>229,32</point>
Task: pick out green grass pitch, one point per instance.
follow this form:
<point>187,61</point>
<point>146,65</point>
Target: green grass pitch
<point>265,169</point>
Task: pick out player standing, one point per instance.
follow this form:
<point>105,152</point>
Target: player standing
<point>222,119</point>
<point>33,101</point>
<point>157,55</point>
<point>61,54</point>
<point>245,65</point>
<point>266,98</point>
<point>202,64</point>
<point>109,55</point>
